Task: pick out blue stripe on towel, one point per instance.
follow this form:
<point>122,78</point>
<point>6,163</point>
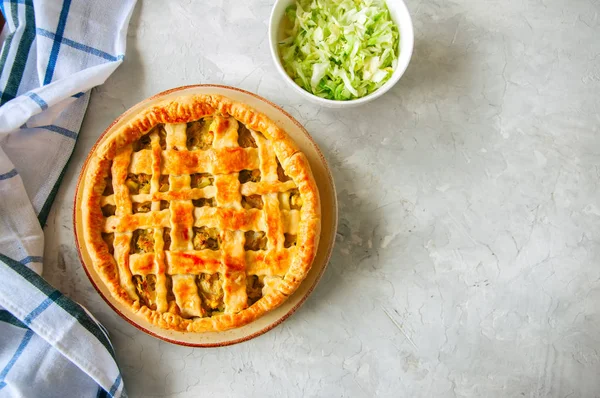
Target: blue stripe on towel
<point>8,175</point>
<point>32,259</point>
<point>26,338</point>
<point>115,386</point>
<point>60,30</point>
<point>77,46</point>
<point>38,100</point>
<point>42,307</point>
<point>60,130</point>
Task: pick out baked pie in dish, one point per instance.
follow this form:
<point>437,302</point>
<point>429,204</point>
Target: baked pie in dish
<point>200,214</point>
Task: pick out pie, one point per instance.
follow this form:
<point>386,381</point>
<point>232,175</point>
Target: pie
<point>200,213</point>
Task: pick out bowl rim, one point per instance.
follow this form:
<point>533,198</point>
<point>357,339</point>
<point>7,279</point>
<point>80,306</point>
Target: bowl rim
<point>406,47</point>
<point>328,253</point>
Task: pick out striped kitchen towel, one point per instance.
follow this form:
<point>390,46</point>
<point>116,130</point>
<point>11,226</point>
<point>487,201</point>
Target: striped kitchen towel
<point>53,53</point>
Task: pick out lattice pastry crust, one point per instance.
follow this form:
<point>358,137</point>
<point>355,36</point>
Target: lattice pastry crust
<point>200,214</point>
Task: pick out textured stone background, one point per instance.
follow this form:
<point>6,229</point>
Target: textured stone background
<point>469,209</point>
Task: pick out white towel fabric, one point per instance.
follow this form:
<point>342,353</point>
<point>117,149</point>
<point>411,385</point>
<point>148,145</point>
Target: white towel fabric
<point>53,53</point>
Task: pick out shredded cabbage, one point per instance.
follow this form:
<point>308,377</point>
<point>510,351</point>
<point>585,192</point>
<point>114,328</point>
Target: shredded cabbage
<point>339,49</point>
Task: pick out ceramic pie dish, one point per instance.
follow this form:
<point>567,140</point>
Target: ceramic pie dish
<point>205,215</point>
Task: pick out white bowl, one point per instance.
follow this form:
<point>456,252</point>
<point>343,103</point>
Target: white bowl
<point>400,16</point>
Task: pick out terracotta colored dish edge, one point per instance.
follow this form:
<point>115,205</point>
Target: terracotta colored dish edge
<point>265,329</point>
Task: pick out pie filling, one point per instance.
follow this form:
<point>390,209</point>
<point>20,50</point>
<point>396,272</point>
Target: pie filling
<point>206,238</point>
<point>166,239</point>
<point>210,288</point>
<point>255,240</point>
<point>290,200</point>
<point>204,202</point>
<point>143,143</point>
<point>254,287</point>
<point>143,207</point>
<point>295,199</point>
<point>138,183</point>
<point>108,187</point>
<point>199,135</point>
<point>109,210</point>
<point>252,202</point>
<point>142,241</point>
<point>109,240</point>
<point>163,184</point>
<point>281,173</point>
<point>290,240</point>
<point>249,176</point>
<point>162,135</point>
<point>245,138</point>
<point>201,180</point>
<point>145,287</point>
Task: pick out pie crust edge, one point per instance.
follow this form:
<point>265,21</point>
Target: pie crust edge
<point>184,109</point>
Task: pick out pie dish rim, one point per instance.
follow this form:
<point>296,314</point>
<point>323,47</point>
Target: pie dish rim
<point>136,108</point>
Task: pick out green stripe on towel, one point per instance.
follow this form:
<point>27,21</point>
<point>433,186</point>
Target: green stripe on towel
<point>18,68</point>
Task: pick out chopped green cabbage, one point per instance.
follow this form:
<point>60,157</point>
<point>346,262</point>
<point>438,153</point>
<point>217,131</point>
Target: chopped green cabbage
<point>339,49</point>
